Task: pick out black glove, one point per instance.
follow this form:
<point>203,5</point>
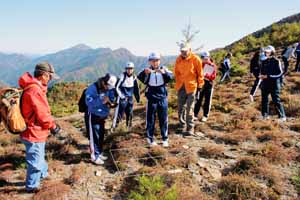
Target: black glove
<point>56,130</point>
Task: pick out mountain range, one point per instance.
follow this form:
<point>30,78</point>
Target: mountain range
<point>78,63</point>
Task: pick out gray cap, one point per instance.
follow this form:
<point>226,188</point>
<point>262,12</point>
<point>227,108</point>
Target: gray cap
<point>46,67</point>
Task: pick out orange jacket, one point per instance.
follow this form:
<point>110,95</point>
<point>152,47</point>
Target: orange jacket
<point>35,110</point>
<point>189,72</point>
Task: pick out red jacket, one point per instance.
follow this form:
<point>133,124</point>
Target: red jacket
<point>35,109</point>
<point>209,70</point>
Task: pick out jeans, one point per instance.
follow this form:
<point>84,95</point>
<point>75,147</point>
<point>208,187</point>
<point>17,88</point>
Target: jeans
<point>37,167</point>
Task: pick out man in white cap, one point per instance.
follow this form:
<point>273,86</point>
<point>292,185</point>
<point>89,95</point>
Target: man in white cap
<point>189,78</point>
<point>155,77</point>
<point>126,88</point>
<point>271,73</point>
<point>99,97</point>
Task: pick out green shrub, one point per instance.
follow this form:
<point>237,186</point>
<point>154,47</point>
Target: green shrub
<point>152,188</point>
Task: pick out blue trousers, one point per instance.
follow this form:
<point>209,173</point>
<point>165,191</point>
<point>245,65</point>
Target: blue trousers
<point>96,132</point>
<point>161,108</point>
<point>126,106</point>
<point>37,167</point>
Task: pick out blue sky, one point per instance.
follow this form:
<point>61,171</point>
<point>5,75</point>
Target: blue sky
<point>39,27</point>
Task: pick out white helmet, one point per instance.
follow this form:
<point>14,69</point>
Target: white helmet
<point>296,44</point>
<point>112,82</point>
<point>205,54</point>
<point>154,56</point>
<point>269,49</point>
<point>129,65</point>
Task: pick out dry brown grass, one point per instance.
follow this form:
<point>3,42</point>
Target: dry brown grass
<point>275,136</point>
<point>237,136</point>
<point>76,175</point>
<point>259,168</point>
<point>212,151</point>
<point>53,190</point>
<point>274,153</point>
<point>237,187</point>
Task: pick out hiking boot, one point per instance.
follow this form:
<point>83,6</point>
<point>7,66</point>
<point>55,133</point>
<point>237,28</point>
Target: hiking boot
<point>251,98</point>
<point>102,157</point>
<point>203,119</point>
<point>165,143</point>
<point>98,161</point>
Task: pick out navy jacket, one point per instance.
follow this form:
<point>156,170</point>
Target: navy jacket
<point>272,68</point>
<point>156,83</point>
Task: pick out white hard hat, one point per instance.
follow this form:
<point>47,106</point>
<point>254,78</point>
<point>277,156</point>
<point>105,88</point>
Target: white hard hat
<point>184,46</point>
<point>129,65</point>
<point>154,56</point>
<point>112,82</point>
<point>205,54</point>
<point>269,48</point>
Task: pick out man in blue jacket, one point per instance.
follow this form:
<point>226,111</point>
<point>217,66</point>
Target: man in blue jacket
<point>271,73</point>
<point>155,77</point>
<point>99,98</point>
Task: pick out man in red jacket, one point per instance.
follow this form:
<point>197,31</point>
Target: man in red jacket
<point>209,71</point>
<point>37,115</point>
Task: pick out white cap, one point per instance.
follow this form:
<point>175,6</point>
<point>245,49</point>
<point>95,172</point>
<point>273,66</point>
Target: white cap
<point>269,49</point>
<point>184,46</point>
<point>296,44</point>
<point>112,82</point>
<point>205,54</point>
<point>129,65</point>
<point>154,56</point>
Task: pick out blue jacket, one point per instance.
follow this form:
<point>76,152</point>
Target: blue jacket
<point>156,83</point>
<point>94,99</point>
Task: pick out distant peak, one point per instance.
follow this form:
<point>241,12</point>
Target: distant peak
<point>81,47</point>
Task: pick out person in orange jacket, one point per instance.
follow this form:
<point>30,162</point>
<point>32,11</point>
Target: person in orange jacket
<point>210,71</point>
<point>37,115</point>
<point>189,78</point>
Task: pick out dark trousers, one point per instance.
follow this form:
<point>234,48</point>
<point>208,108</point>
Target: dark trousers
<point>297,62</point>
<point>161,108</point>
<point>86,122</point>
<point>254,87</point>
<point>272,88</point>
<point>126,106</point>
<point>96,132</point>
<point>206,94</point>
<point>286,64</point>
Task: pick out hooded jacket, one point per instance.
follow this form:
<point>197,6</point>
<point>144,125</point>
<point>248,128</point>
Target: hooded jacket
<point>35,109</point>
<point>189,73</point>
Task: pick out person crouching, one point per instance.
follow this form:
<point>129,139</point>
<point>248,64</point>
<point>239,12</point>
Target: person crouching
<point>99,98</point>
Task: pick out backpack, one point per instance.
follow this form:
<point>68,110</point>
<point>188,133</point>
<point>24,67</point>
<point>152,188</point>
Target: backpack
<point>82,107</point>
<point>10,111</point>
